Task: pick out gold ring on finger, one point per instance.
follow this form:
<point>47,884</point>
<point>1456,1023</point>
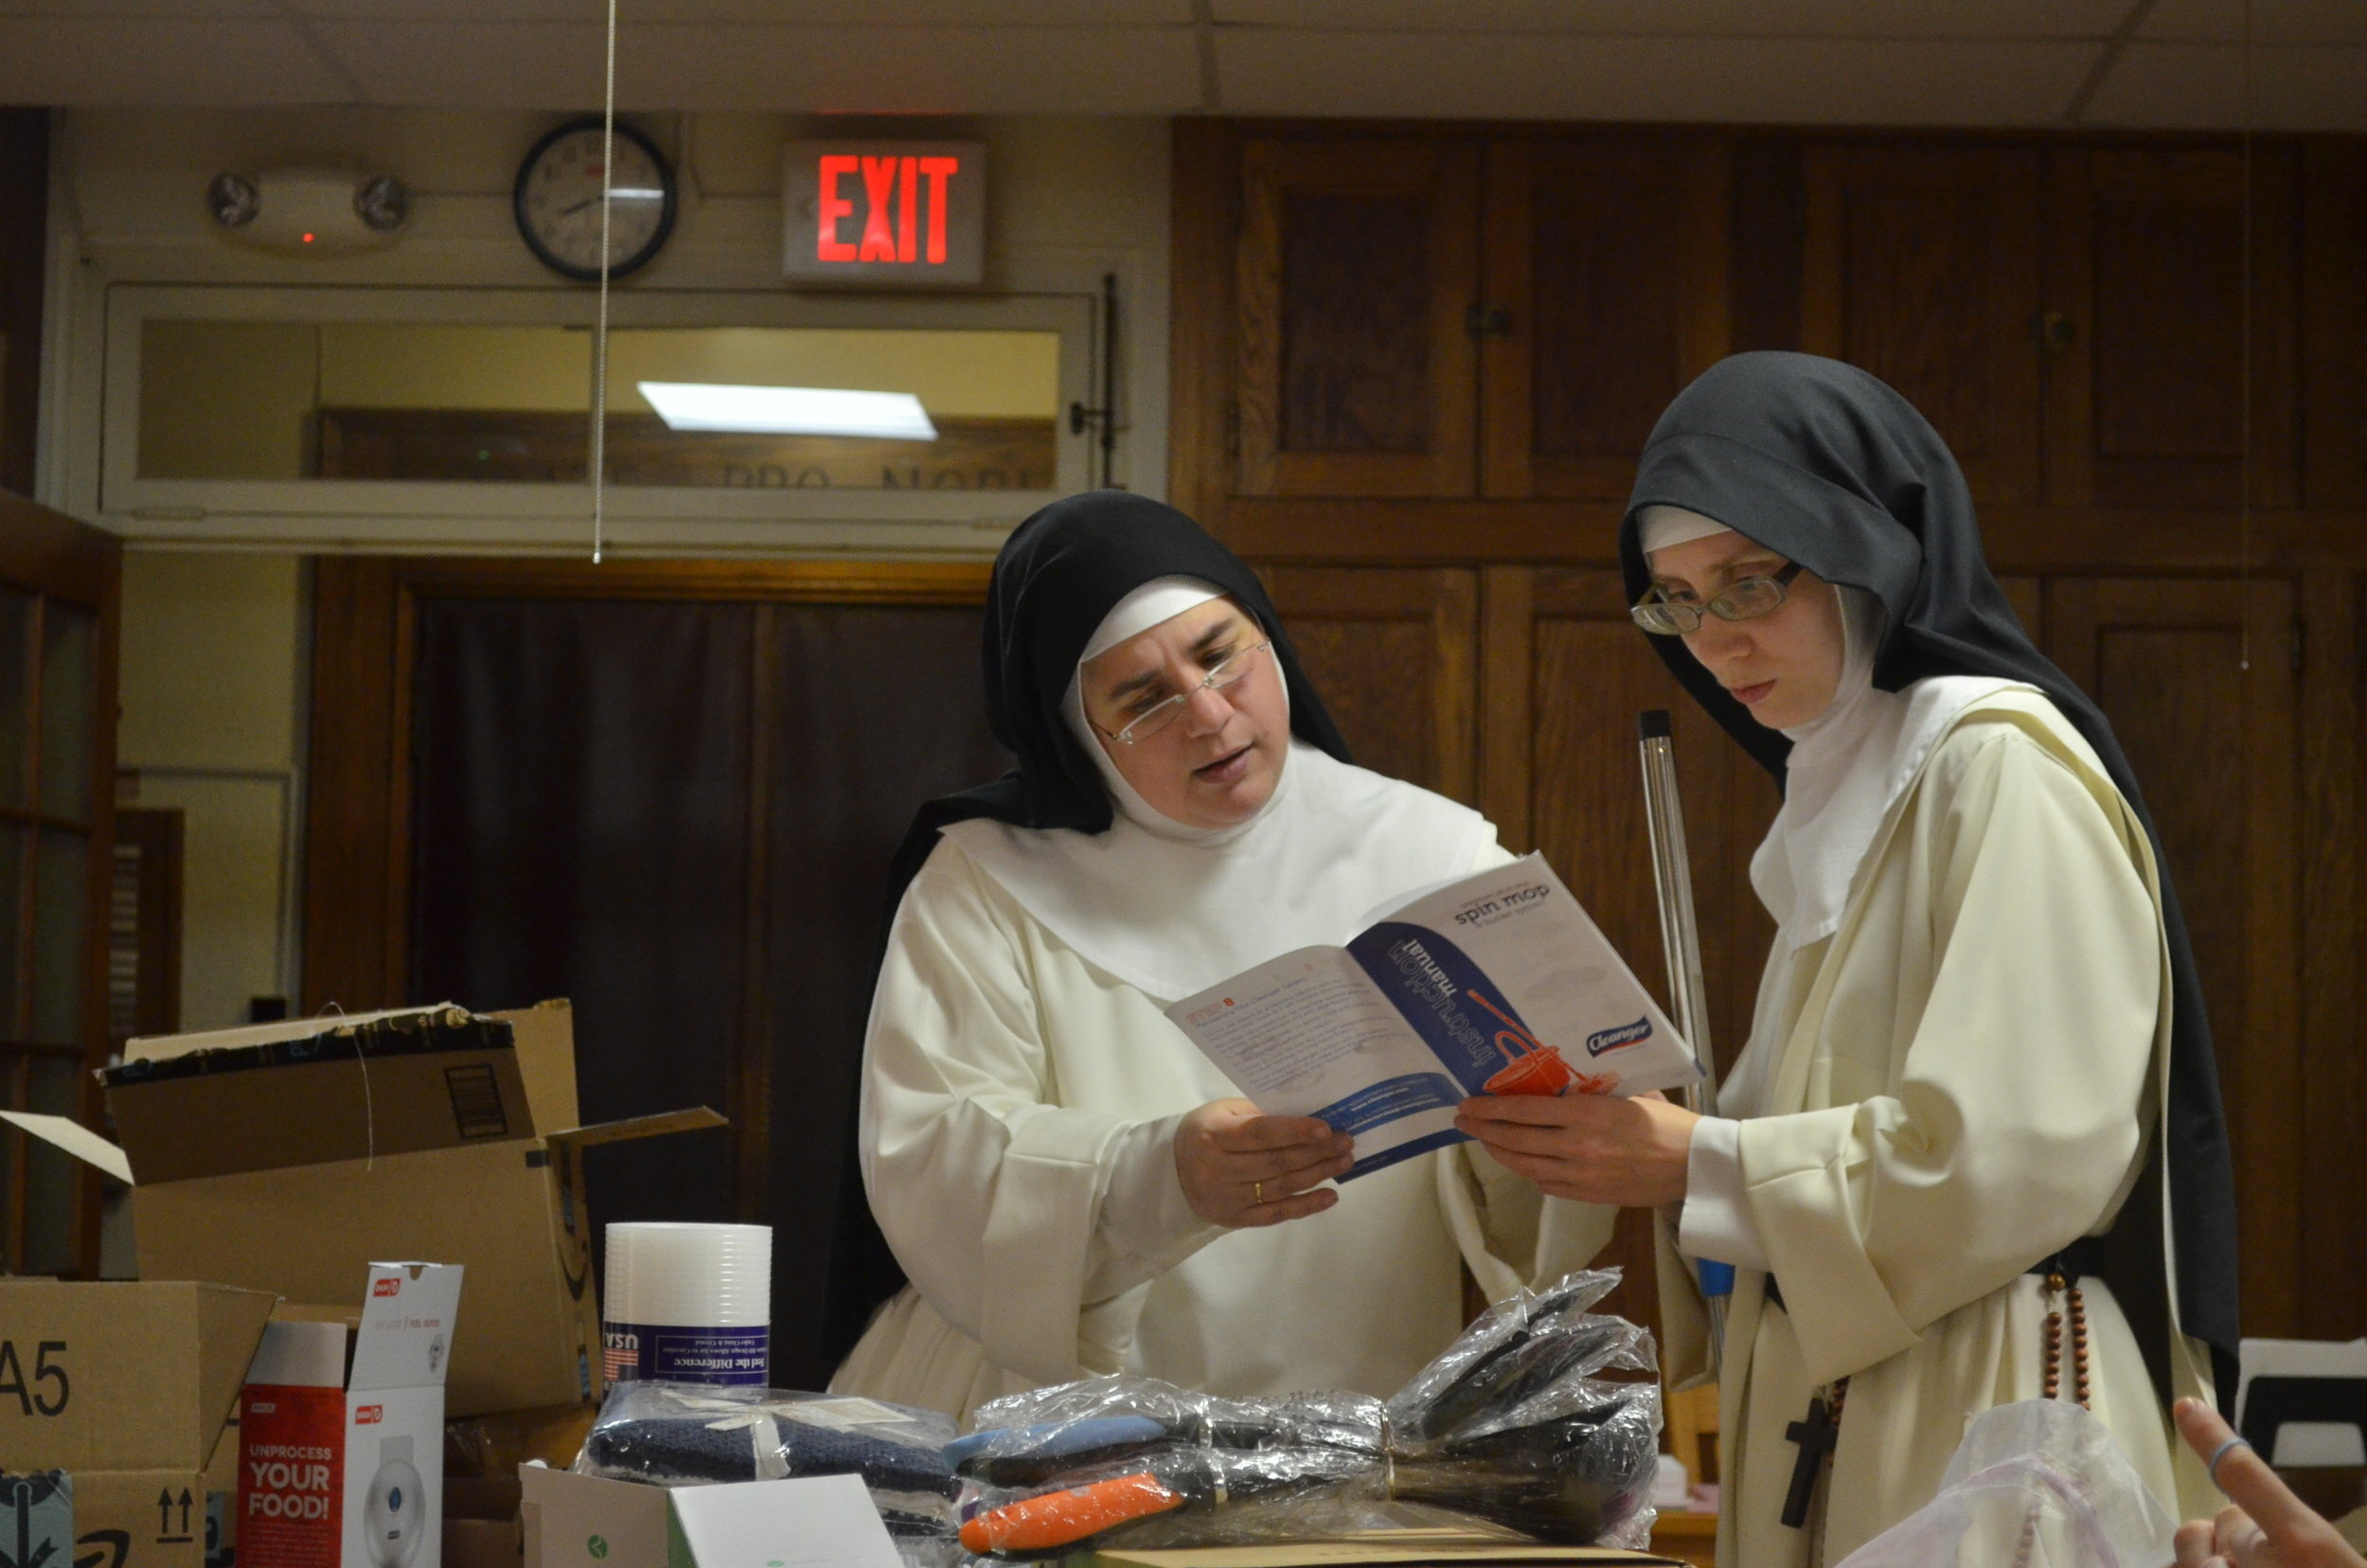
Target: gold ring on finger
<point>1259,1188</point>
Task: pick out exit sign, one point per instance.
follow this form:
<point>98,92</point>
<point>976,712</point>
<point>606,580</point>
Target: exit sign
<point>885,212</point>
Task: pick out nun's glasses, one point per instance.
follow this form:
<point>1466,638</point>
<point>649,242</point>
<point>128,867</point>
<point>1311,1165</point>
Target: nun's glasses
<point>1744,600</point>
<point>1218,676</point>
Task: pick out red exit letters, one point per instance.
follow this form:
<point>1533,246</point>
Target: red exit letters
<point>895,228</point>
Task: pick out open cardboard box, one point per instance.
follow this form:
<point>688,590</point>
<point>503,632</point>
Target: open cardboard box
<point>285,1157</point>
<point>126,1388</point>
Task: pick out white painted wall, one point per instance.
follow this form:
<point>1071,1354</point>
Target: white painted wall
<point>213,695</point>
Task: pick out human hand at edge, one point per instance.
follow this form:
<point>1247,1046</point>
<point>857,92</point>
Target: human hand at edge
<point>1241,1167</point>
<point>2269,1526</point>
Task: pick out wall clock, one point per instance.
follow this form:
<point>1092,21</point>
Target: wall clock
<point>558,201</point>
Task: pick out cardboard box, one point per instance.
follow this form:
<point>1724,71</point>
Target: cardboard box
<point>284,1157</point>
<point>124,1387</point>
<point>341,1430</point>
<point>585,1522</point>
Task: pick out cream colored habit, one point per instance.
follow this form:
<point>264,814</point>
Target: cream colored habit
<point>1972,1063</point>
<point>1018,1104</point>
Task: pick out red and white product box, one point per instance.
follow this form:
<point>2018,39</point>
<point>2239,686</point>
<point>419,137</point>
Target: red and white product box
<point>341,1428</point>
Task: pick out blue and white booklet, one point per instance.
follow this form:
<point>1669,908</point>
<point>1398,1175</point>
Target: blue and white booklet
<point>1495,984</point>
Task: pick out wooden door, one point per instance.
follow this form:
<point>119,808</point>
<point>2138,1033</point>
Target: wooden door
<point>1566,674</point>
<point>1921,264</point>
<point>1605,266</point>
<point>1393,654</point>
<point>2145,325</point>
<point>60,585</point>
<point>1358,268</point>
<point>2200,679</point>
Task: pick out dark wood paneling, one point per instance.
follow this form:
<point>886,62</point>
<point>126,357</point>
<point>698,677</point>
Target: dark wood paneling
<point>353,832</point>
<point>2145,396</point>
<point>69,571</point>
<point>1357,263</point>
<point>2200,678</point>
<point>2334,314</point>
<point>1205,207</point>
<point>1768,216</point>
<point>1607,260</point>
<point>1356,308</point>
<point>1922,266</point>
<point>23,241</point>
<point>2333,996</point>
<point>1392,652</point>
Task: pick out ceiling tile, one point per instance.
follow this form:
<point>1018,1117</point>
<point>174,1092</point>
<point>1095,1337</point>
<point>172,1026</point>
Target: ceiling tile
<point>2000,19</point>
<point>926,70</point>
<point>2200,87</point>
<point>2272,20</point>
<point>91,61</point>
<point>1718,80</point>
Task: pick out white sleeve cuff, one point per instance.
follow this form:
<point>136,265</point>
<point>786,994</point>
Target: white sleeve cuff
<point>1146,1225</point>
<point>1717,1222</point>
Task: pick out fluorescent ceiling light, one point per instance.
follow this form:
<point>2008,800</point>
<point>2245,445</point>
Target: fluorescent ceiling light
<point>788,410</point>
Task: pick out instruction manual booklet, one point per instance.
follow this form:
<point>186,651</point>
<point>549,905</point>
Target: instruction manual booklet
<point>1496,984</point>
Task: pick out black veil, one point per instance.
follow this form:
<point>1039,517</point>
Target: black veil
<point>1059,574</point>
<point>1827,465</point>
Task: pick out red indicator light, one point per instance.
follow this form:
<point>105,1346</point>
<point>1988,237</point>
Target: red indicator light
<point>307,239</point>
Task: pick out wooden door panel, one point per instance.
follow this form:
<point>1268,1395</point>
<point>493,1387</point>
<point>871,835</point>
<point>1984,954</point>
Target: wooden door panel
<point>1921,265</point>
<point>1392,652</point>
<point>2145,397</point>
<point>1358,262</point>
<point>1608,260</point>
<point>2214,746</point>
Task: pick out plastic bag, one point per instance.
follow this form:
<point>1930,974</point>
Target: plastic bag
<point>1513,1427</point>
<point>2041,1484</point>
<point>687,1434</point>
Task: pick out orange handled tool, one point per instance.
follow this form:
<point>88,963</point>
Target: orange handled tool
<point>1060,1519</point>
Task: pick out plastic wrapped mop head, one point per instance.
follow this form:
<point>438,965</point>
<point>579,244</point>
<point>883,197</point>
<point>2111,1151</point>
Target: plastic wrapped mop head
<point>1514,1427</point>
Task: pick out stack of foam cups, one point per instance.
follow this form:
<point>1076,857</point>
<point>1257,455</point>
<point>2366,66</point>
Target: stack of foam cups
<point>689,1303</point>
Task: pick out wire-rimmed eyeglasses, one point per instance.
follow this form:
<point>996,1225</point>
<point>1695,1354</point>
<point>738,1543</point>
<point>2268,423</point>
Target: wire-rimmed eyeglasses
<point>1218,676</point>
<point>1743,600</point>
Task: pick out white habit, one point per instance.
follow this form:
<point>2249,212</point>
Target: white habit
<point>1019,1100</point>
<point>1954,1076</point>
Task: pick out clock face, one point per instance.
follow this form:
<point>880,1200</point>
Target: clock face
<point>558,201</point>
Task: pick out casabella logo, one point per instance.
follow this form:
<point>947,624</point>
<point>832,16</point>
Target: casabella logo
<point>1610,1040</point>
<point>386,1287</point>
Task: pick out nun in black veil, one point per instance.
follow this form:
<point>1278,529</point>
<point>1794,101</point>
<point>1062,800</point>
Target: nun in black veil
<point>1067,1184</point>
<point>1979,1088</point>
